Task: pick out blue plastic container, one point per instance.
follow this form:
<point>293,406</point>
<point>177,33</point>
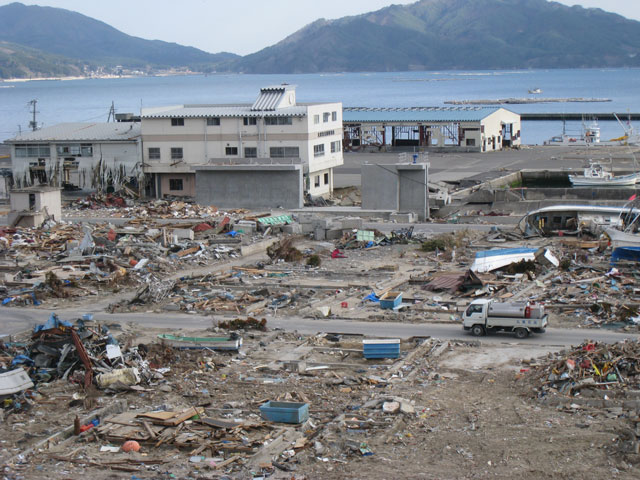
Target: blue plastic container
<point>285,412</point>
<point>381,348</point>
<point>391,300</point>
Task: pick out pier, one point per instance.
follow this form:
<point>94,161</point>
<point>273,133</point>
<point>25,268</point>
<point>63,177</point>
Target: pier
<point>602,116</point>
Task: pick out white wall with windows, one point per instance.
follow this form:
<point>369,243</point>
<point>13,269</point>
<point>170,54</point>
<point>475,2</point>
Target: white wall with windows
<point>176,138</point>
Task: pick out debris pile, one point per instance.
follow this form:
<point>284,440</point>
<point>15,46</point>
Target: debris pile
<point>606,368</point>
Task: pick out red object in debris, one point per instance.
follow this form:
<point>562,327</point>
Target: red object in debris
<point>201,227</point>
<point>131,446</point>
<point>589,347</point>
<point>111,235</point>
<point>133,262</point>
<point>344,304</point>
<point>337,254</point>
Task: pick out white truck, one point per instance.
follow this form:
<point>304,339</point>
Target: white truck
<point>487,315</point>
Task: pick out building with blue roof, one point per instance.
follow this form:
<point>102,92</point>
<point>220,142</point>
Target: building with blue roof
<point>460,128</point>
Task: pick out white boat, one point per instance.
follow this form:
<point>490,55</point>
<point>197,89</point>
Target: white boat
<point>489,260</point>
<point>535,91</point>
<point>622,239</point>
<point>590,136</point>
<point>596,176</point>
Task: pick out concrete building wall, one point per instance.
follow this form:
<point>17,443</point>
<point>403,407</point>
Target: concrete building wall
<point>379,187</point>
<point>413,194</point>
<point>177,184</point>
<point>48,198</point>
<point>250,186</point>
<point>397,187</point>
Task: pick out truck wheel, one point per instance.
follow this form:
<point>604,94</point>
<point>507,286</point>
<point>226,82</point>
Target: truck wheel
<point>522,333</point>
<point>477,330</point>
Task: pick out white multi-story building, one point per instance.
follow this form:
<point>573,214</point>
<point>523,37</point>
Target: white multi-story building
<point>275,129</point>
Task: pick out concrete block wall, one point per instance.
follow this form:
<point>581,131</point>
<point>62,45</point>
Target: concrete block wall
<point>399,187</point>
<point>250,186</point>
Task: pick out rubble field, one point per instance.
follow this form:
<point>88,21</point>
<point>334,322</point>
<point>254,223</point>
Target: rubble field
<point>442,409</point>
<point>243,263</point>
<point>242,400</point>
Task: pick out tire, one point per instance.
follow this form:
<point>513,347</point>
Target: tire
<point>477,330</point>
<point>521,333</point>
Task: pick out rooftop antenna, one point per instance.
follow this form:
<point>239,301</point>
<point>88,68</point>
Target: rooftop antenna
<point>112,113</point>
<point>33,125</point>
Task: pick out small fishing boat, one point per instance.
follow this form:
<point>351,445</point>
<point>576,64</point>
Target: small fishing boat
<point>535,91</point>
<point>596,176</point>
<point>232,342</point>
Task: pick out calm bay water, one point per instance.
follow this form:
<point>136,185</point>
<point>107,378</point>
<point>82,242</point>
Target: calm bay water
<point>89,100</point>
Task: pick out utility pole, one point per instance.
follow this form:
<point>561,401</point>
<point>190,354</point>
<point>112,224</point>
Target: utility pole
<point>112,113</point>
<point>33,124</point>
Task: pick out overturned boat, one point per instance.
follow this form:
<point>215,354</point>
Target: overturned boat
<point>573,220</point>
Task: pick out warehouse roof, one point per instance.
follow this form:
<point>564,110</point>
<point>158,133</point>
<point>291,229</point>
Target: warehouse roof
<point>416,114</point>
<point>78,132</point>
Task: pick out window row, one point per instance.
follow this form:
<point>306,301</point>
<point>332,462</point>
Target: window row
<point>215,121</point>
<point>249,152</point>
<point>33,151</point>
<point>325,117</point>
<point>70,150</point>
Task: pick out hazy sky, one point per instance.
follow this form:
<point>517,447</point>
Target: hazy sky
<point>242,26</point>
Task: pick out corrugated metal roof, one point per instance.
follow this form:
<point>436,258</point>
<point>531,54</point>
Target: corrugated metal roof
<point>68,132</point>
<point>416,114</point>
<point>202,111</point>
<point>268,99</point>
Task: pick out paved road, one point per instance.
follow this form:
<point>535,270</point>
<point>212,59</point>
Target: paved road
<point>15,320</point>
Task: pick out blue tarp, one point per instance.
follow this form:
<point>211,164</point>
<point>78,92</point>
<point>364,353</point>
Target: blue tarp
<point>21,360</point>
<point>371,297</point>
<point>53,322</point>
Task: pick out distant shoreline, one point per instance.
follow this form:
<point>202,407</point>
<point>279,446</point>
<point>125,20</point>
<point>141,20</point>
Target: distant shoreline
<point>97,77</point>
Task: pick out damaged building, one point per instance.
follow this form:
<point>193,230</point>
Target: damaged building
<point>77,156</point>
<point>469,129</point>
<point>214,152</point>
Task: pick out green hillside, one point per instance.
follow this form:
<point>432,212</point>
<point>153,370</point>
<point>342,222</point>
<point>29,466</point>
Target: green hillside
<point>456,34</point>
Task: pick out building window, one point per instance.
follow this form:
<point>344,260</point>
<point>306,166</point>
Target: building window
<point>231,151</point>
<point>326,133</point>
<point>334,116</point>
<point>154,153</point>
<point>175,184</point>
<point>177,122</point>
<point>318,150</point>
<point>278,121</point>
<point>176,154</point>
<point>326,179</point>
<point>335,146</point>
<point>325,117</point>
<point>250,152</point>
<point>250,121</point>
<point>75,150</point>
<point>33,151</point>
<point>213,121</point>
<point>471,142</point>
<point>316,181</point>
<point>284,152</point>
<point>316,119</point>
